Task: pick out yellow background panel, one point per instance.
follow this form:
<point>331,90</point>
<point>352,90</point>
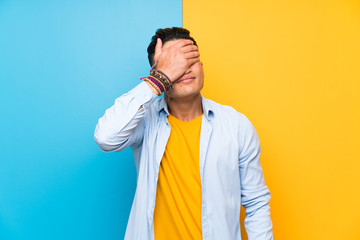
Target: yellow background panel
<point>292,67</point>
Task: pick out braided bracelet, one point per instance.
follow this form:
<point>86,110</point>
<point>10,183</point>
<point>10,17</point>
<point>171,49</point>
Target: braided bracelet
<point>157,88</point>
<point>161,77</point>
<point>165,80</point>
<point>157,82</point>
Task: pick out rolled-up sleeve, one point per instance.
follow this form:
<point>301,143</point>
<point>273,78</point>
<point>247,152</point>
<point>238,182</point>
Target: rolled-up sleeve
<point>122,124</point>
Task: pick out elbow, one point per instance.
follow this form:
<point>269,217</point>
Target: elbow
<point>102,143</point>
<point>256,200</point>
<point>108,144</point>
<point>102,140</point>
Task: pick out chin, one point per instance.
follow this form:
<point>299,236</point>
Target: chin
<point>185,90</point>
<point>182,93</point>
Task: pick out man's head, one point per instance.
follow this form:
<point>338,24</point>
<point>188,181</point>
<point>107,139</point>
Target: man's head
<point>167,34</point>
<point>190,83</point>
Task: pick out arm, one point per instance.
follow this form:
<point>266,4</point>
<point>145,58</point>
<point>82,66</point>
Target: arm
<point>122,124</point>
<point>255,195</point>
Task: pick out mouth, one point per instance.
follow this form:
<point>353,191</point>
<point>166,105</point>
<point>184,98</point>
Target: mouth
<point>185,79</point>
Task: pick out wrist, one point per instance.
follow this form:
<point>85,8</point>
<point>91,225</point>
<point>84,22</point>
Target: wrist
<point>152,88</point>
<point>168,74</point>
<point>160,77</point>
<point>165,72</point>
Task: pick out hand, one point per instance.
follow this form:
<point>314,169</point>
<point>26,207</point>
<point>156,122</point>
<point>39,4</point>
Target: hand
<point>175,59</point>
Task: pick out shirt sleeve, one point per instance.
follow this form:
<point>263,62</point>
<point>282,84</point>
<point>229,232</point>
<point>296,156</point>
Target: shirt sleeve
<point>123,124</point>
<point>255,195</point>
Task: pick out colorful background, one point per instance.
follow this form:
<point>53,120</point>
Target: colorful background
<point>293,67</point>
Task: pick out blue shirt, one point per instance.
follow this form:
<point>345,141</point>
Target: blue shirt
<point>230,169</point>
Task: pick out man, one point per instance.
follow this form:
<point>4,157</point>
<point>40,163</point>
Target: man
<point>197,161</point>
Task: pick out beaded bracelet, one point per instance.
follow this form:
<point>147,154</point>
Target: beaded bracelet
<point>168,79</point>
<point>159,78</point>
<point>165,80</point>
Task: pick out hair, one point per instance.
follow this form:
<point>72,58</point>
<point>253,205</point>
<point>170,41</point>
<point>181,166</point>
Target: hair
<point>167,34</point>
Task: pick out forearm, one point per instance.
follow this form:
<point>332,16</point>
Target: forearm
<point>119,126</point>
<point>258,223</point>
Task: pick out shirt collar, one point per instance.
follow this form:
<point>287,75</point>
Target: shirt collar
<point>208,109</point>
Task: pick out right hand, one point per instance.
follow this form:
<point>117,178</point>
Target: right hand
<point>175,59</point>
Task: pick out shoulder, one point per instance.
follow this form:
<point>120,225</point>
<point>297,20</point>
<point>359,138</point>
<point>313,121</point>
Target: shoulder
<point>224,111</point>
<point>226,117</point>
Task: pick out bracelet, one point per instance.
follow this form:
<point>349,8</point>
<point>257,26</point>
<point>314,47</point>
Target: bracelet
<point>157,82</point>
<point>153,84</point>
<point>164,75</point>
<point>165,80</point>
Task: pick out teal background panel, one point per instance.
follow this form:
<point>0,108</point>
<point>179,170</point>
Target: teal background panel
<point>62,64</point>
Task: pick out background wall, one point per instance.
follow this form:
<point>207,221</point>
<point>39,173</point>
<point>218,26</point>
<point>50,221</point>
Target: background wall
<point>62,63</point>
<point>293,67</point>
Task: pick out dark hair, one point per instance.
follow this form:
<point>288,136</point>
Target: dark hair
<point>167,34</point>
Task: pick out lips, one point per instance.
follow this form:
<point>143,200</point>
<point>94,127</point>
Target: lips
<point>185,79</point>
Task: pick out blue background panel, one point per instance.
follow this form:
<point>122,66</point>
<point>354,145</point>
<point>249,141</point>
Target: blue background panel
<point>62,64</point>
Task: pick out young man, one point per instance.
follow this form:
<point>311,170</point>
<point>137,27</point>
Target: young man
<point>197,161</point>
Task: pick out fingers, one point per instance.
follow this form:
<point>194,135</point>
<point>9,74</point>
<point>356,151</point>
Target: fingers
<point>158,49</point>
<point>190,51</point>
<point>183,43</point>
<point>184,46</point>
<point>158,46</point>
<point>193,54</point>
<point>189,48</point>
<point>175,57</point>
<point>193,60</point>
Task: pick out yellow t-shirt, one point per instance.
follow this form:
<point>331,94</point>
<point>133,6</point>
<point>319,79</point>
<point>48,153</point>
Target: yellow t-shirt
<point>177,213</point>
